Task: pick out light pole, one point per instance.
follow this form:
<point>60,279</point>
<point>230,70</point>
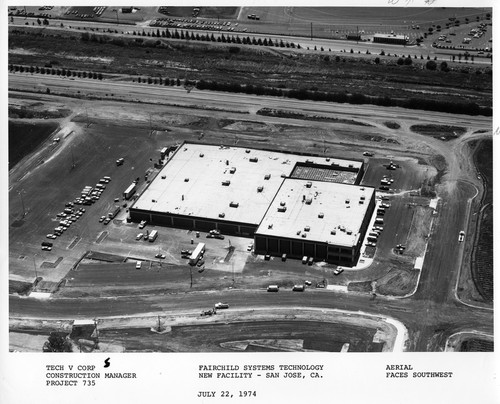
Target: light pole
<point>96,334</point>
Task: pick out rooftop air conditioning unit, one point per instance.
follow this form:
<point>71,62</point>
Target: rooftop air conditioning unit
<point>267,176</point>
<point>234,204</point>
<point>222,214</point>
<point>308,184</point>
<point>232,170</point>
<point>307,228</point>
<point>333,232</point>
<point>282,209</point>
<point>321,215</point>
<point>253,159</point>
<point>260,189</point>
<point>226,183</point>
<point>308,201</point>
<point>186,179</point>
<point>201,154</point>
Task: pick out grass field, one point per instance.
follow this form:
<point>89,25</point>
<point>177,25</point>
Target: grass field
<point>25,137</point>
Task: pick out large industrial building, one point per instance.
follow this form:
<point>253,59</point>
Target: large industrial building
<point>291,204</point>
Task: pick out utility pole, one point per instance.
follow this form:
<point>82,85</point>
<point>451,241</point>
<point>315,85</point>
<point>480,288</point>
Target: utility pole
<point>150,125</point>
<point>191,275</point>
<point>311,31</point>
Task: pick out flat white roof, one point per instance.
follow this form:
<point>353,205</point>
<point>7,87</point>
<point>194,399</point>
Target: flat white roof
<point>191,182</point>
<point>338,204</point>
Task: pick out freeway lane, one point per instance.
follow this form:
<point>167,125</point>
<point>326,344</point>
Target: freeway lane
<point>208,99</point>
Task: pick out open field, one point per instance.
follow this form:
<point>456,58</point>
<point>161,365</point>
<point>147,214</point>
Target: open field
<point>25,137</point>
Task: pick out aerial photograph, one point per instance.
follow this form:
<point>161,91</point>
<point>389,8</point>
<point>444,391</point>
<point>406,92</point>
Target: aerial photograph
<point>250,179</point>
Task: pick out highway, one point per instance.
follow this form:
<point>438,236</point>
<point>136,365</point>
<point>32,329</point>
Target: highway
<point>232,101</point>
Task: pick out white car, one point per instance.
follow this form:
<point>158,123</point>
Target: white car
<point>139,236</point>
<point>221,305</point>
<point>52,236</point>
<point>461,236</point>
<point>138,265</point>
<point>338,271</point>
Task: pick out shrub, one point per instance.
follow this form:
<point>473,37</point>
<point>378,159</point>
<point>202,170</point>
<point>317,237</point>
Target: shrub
<point>431,65</point>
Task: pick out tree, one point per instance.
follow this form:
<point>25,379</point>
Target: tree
<point>377,60</point>
<point>400,61</point>
<point>444,67</point>
<point>57,342</point>
<point>408,60</point>
<point>431,65</point>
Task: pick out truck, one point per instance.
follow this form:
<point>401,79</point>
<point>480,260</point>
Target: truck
<point>197,253</point>
<point>152,236</point>
<point>130,191</point>
<point>114,212</point>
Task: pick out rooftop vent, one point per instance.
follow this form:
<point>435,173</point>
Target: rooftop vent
<point>267,176</point>
<point>307,228</point>
<point>347,201</point>
<point>362,198</point>
<point>234,204</point>
<point>260,189</point>
<point>351,166</point>
<point>201,155</point>
<point>232,170</point>
<point>321,215</point>
<point>361,202</point>
<point>270,226</point>
<point>186,179</point>
<point>247,151</point>
<point>222,214</point>
<point>333,232</point>
<point>349,232</point>
<point>282,209</point>
<point>308,184</point>
<point>282,203</point>
<point>226,183</point>
<point>163,177</point>
<point>253,159</point>
<point>304,235</point>
<point>328,159</point>
<point>298,232</point>
<point>283,175</point>
<point>308,201</point>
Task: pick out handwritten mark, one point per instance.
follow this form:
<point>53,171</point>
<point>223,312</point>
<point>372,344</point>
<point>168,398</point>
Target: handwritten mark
<point>107,364</point>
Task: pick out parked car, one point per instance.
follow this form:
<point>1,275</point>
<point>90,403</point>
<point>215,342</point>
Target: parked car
<point>107,220</point>
<point>221,305</point>
<point>338,271</point>
<point>102,219</point>
<point>161,256</point>
<point>138,265</point>
<point>52,236</point>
